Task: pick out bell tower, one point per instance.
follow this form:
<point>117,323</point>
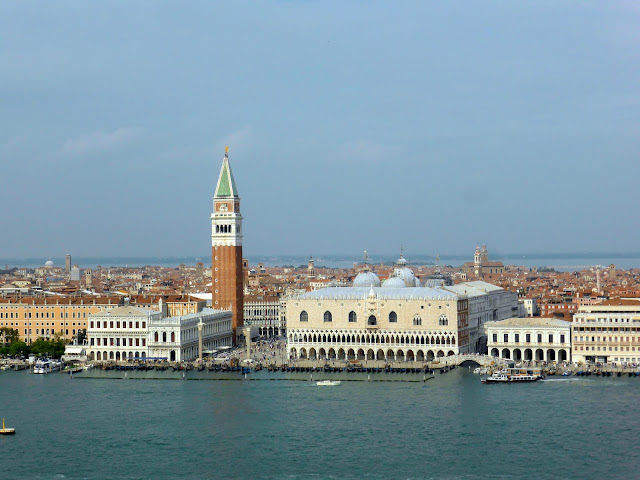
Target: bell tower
<point>227,288</point>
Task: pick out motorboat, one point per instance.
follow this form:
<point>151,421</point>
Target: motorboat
<point>46,365</point>
<point>511,376</point>
<point>7,431</point>
<point>327,383</point>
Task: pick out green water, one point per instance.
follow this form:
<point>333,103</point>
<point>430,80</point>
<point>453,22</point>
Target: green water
<point>450,427</point>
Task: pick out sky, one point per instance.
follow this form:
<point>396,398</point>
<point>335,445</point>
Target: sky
<point>360,125</point>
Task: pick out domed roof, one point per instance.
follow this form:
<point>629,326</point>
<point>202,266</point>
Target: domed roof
<point>406,275</point>
<point>366,279</point>
<point>401,261</point>
<point>49,263</point>
<point>393,282</point>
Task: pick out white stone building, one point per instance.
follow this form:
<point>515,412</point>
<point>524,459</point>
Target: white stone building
<point>263,312</point>
<point>127,332</point>
<point>607,332</point>
<point>177,338</point>
<point>395,320</point>
<point>487,302</point>
<point>531,338</point>
<point>119,333</point>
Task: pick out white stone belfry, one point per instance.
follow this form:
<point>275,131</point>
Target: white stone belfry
<point>226,220</point>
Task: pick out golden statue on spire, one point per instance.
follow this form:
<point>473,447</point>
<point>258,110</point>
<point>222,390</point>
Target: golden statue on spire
<point>226,149</point>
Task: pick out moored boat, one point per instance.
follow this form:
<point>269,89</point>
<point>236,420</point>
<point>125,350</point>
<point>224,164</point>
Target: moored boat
<point>6,431</point>
<point>46,365</point>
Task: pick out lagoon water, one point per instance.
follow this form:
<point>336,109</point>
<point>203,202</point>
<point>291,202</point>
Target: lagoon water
<point>450,427</point>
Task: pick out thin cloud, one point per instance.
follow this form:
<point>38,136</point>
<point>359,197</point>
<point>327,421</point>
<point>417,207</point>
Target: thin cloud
<point>99,141</point>
<point>365,151</point>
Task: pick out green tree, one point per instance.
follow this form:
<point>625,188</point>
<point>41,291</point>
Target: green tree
<point>18,348</point>
<point>10,334</point>
<point>82,336</point>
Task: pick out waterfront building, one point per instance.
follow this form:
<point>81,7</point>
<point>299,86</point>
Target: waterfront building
<point>607,332</point>
<point>227,285</point>
<point>396,320</point>
<point>530,338</point>
<point>128,332</point>
<point>38,317</point>
<point>120,333</point>
<point>178,338</point>
<point>487,302</point>
<point>481,265</point>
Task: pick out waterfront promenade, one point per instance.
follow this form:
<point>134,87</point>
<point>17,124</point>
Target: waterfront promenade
<point>271,355</point>
<point>449,427</point>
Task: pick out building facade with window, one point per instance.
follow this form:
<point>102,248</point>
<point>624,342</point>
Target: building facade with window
<point>119,333</point>
<point>127,332</point>
<point>177,338</point>
<point>531,338</point>
<point>374,322</point>
<point>263,312</point>
<point>487,302</point>
<point>607,332</point>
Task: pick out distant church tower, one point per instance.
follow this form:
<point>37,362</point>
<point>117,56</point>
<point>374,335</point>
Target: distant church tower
<point>311,271</point>
<point>226,247</point>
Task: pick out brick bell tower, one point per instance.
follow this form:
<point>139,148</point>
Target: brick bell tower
<point>227,287</point>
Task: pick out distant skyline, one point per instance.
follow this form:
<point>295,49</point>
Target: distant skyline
<point>351,126</point>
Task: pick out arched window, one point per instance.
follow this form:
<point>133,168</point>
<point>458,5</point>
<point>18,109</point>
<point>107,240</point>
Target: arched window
<point>173,337</point>
<point>443,320</point>
<point>156,337</point>
<point>327,316</point>
<point>164,337</point>
<point>417,320</point>
<point>304,316</point>
<point>352,316</point>
<point>372,320</point>
<point>393,317</point>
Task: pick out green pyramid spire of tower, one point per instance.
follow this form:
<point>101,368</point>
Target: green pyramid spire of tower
<point>226,184</point>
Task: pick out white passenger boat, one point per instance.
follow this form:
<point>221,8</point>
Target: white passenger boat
<point>511,377</point>
<point>327,383</point>
<point>46,365</point>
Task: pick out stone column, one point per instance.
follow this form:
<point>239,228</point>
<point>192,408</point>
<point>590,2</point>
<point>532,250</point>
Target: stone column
<point>200,326</point>
<point>247,339</point>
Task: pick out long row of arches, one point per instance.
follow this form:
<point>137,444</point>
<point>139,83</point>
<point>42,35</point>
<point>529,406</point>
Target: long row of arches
<point>372,338</point>
<point>389,355</point>
<point>101,356</point>
<point>529,354</point>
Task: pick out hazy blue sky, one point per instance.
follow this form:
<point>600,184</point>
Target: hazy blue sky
<point>351,125</point>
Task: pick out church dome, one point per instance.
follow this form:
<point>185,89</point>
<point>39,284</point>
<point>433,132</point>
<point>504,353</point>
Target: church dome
<point>393,282</point>
<point>366,279</point>
<point>406,275</point>
<point>49,263</point>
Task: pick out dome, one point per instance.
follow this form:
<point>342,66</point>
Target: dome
<point>393,282</point>
<point>49,263</point>
<point>406,275</point>
<point>366,279</point>
<point>401,261</point>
